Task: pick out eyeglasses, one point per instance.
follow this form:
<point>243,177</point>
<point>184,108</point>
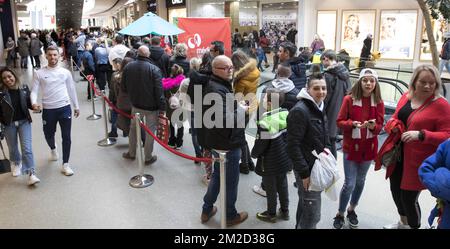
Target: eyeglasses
<point>226,68</point>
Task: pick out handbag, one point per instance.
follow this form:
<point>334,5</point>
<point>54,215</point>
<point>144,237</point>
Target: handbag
<point>162,131</point>
<point>391,157</point>
<point>5,164</point>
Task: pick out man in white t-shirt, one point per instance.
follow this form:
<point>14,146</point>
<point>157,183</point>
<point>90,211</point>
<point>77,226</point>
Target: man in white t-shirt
<point>58,93</point>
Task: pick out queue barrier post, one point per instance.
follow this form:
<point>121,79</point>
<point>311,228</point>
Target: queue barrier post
<point>142,180</point>
<point>223,194</point>
<point>93,116</point>
<point>107,141</point>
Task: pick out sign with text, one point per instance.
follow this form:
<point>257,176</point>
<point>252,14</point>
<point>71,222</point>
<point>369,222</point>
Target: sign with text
<point>175,3</point>
<point>200,32</point>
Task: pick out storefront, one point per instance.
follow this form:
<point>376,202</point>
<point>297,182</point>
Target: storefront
<point>175,8</point>
<point>280,19</point>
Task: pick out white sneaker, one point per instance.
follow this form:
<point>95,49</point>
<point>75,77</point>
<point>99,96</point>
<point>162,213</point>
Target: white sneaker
<point>54,154</point>
<point>66,170</point>
<point>16,169</point>
<point>257,189</point>
<point>205,180</point>
<point>398,225</point>
<point>33,180</point>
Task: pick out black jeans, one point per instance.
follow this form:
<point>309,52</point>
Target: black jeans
<point>276,184</point>
<point>406,200</point>
<point>103,75</point>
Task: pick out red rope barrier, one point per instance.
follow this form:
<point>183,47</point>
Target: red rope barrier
<point>206,160</point>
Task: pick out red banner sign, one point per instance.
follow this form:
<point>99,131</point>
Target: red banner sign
<point>200,32</point>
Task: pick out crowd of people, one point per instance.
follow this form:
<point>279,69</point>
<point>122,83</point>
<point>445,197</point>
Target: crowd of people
<point>300,112</point>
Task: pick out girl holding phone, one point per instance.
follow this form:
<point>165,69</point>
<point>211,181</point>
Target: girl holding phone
<point>361,120</point>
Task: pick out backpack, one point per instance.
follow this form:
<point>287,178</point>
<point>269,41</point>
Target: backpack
<point>197,79</point>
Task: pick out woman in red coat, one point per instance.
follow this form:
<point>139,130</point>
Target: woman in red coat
<point>361,119</point>
<point>426,116</point>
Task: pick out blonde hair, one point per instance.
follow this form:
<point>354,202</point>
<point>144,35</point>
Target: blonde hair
<point>194,63</point>
<point>180,50</point>
<point>427,67</point>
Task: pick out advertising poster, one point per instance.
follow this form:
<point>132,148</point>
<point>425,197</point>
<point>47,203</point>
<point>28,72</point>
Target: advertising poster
<point>439,27</point>
<point>200,32</point>
<point>397,34</point>
<point>356,25</point>
<point>326,27</point>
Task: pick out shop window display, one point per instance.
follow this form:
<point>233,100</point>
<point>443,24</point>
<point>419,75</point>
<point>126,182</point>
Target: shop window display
<point>397,34</point>
<point>326,27</point>
<point>439,28</point>
<point>356,25</point>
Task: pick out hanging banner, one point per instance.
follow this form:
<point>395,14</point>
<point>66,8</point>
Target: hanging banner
<point>200,32</point>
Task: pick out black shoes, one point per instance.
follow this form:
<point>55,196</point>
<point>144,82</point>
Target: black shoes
<point>338,222</point>
<point>265,216</point>
<point>283,214</point>
<point>352,219</point>
<point>113,134</point>
<point>243,168</point>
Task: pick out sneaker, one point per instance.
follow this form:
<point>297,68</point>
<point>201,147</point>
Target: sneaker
<point>205,217</point>
<point>16,169</point>
<point>265,216</point>
<point>398,225</point>
<point>113,134</point>
<point>352,219</point>
<point>151,160</point>
<point>172,143</point>
<point>205,180</point>
<point>240,217</point>
<point>243,168</point>
<point>66,170</point>
<point>33,180</point>
<point>54,154</point>
<point>338,222</point>
<point>283,214</point>
<point>127,155</point>
<point>179,144</point>
<point>259,190</point>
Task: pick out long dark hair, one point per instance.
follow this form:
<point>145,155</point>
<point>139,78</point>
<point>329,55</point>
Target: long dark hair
<point>3,86</point>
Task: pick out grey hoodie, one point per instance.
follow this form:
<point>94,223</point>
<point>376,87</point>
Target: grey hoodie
<point>285,85</point>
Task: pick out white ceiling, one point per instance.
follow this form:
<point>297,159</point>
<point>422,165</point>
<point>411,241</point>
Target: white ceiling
<point>104,8</point>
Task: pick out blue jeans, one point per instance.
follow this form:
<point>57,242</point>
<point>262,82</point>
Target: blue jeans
<point>443,63</point>
<point>114,121</point>
<point>23,129</point>
<point>232,180</point>
<point>50,117</point>
<point>355,178</point>
<point>197,147</point>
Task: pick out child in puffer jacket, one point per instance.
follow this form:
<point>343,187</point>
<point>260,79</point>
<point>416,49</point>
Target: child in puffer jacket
<point>435,175</point>
<point>170,87</point>
<point>273,161</point>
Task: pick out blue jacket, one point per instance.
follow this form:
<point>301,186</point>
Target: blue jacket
<point>298,75</point>
<point>435,175</point>
<point>101,55</point>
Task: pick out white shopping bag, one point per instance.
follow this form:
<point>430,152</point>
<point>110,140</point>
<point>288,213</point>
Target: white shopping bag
<point>324,174</point>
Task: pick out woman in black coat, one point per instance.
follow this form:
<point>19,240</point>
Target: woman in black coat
<point>307,131</point>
